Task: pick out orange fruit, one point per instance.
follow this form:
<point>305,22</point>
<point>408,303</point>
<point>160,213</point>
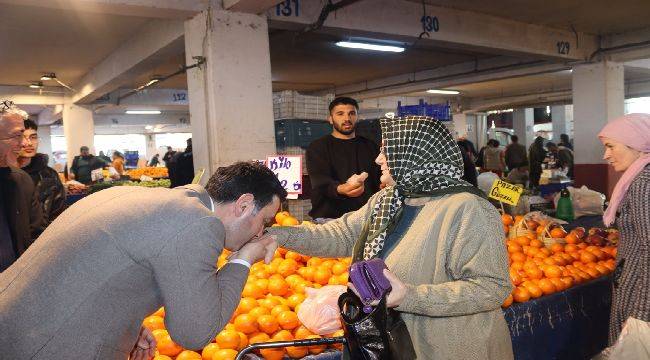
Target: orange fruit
<point>600,255</point>
<point>267,323</point>
<point>518,257</point>
<point>263,284</point>
<point>610,266</point>
<point>522,240</point>
<point>316,349</point>
<point>277,309</point>
<point>579,231</point>
<point>289,221</point>
<point>259,311</point>
<point>593,273</point>
<point>288,320</point>
<point>547,286</point>
<point>507,219</point>
<point>307,273</point>
<point>552,271</point>
<point>282,335</point>
<point>602,269</point>
<point>297,352</point>
<point>166,346</point>
<point>587,257</point>
<point>160,312</point>
<point>153,322</point>
<point>293,255</point>
<point>507,302</point>
<point>558,232</point>
<point>568,281</point>
<point>520,294</point>
<point>322,275</point>
<point>162,357</point>
<point>536,243</point>
<point>209,350</point>
<point>252,290</point>
<point>247,304</point>
<point>517,265</point>
<point>228,339</point>
<point>225,354</point>
<point>314,262</point>
<point>278,287</point>
<point>243,340</point>
<point>531,224</point>
<point>281,216</point>
<point>339,268</point>
<point>515,278</point>
<point>549,261</point>
<point>301,332</point>
<point>559,285</point>
<point>269,302</point>
<point>189,355</point>
<point>570,247</point>
<point>534,290</point>
<point>534,273</point>
<point>272,354</point>
<point>259,337</point>
<point>288,267</point>
<point>295,299</point>
<point>337,333</point>
<point>514,248</point>
<point>572,238</point>
<point>557,248</point>
<point>246,323</point>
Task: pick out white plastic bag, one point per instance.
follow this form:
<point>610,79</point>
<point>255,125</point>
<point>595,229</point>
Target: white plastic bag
<point>584,201</point>
<point>633,343</point>
<point>320,310</point>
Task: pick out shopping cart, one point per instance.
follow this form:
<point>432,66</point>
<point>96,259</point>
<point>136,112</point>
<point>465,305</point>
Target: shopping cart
<point>277,344</point>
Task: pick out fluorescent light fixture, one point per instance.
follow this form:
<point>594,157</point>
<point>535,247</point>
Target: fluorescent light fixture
<point>148,127</point>
<point>143,112</point>
<point>443,92</point>
<point>36,85</point>
<point>48,76</point>
<point>152,81</point>
<point>367,46</point>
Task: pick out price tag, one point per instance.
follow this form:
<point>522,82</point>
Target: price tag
<point>505,192</point>
<point>288,169</point>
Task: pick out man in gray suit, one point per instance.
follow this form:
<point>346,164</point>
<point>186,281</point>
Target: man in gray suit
<point>82,289</point>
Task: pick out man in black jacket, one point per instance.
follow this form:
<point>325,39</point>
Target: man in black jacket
<point>21,219</point>
<point>335,161</point>
<point>47,183</point>
<point>83,165</point>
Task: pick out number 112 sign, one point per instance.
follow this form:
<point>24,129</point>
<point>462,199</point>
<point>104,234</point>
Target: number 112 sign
<point>288,169</point>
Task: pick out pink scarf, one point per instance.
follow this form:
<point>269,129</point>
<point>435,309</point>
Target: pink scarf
<point>632,130</point>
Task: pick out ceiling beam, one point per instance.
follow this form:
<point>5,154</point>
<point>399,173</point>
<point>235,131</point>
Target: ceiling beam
<point>154,44</point>
<point>22,95</point>
<point>250,6</point>
<point>163,9</point>
<point>402,21</point>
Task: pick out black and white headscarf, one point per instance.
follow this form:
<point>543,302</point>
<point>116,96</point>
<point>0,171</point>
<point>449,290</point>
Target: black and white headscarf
<point>423,159</point>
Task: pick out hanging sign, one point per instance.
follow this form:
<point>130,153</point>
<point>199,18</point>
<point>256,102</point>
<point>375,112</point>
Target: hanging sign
<point>288,169</point>
<point>505,192</point>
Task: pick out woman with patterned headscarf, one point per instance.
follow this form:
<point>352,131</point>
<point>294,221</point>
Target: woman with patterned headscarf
<point>627,150</point>
<point>441,240</point>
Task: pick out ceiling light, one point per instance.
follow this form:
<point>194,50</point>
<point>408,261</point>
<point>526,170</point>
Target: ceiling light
<point>443,92</point>
<point>48,76</point>
<point>36,85</point>
<point>367,46</point>
<point>143,112</point>
<point>148,127</point>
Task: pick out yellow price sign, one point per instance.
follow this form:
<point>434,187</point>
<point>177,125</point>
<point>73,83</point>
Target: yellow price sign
<point>505,192</point>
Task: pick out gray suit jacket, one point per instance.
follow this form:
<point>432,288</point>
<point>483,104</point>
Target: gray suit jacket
<point>82,289</point>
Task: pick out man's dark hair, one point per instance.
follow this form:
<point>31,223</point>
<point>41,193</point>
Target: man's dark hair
<point>30,124</point>
<point>550,145</point>
<point>514,138</point>
<point>343,100</point>
<point>228,183</point>
<point>169,148</point>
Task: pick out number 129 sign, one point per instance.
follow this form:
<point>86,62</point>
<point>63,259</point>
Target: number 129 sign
<point>288,169</point>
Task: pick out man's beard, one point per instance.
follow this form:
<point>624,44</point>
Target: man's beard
<point>342,131</point>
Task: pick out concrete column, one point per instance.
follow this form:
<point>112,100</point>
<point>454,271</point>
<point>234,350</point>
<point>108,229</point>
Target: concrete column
<point>523,121</point>
<point>562,116</point>
<point>460,125</point>
<point>470,129</point>
<point>231,104</point>
<point>78,128</point>
<point>151,148</point>
<point>598,97</point>
<point>45,143</point>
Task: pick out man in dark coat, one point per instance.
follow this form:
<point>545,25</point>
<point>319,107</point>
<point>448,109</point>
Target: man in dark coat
<point>21,218</point>
<point>84,164</point>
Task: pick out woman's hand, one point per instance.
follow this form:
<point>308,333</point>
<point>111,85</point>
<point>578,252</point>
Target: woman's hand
<point>395,296</point>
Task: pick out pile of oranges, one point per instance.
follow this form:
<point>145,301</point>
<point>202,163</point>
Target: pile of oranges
<point>267,311</point>
<point>537,270</point>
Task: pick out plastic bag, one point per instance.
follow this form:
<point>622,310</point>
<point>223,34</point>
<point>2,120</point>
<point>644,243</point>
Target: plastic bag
<point>584,201</point>
<point>320,310</point>
<point>633,343</point>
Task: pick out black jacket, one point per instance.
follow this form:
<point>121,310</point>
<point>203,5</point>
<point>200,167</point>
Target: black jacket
<point>22,208</point>
<point>47,184</point>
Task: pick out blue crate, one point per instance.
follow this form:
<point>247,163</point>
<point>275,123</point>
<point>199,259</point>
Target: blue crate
<point>131,159</point>
<point>438,111</point>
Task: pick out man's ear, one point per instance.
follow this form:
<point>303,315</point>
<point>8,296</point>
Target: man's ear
<point>245,204</point>
<point>329,118</point>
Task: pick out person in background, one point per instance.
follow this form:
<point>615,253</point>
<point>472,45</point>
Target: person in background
<point>536,156</point>
<point>183,164</point>
<point>627,150</point>
<point>168,155</point>
<point>440,238</point>
<point>515,153</point>
<point>118,162</point>
<point>563,156</point>
<point>47,184</point>
<point>493,158</point>
<point>100,268</point>
<point>155,160</point>
<point>519,175</point>
<point>469,170</point>
<point>564,141</point>
<point>104,158</point>
<point>83,164</point>
<point>21,214</point>
<point>336,160</point>
<point>471,150</point>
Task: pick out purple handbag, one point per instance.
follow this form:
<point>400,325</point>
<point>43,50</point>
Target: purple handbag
<point>369,280</point>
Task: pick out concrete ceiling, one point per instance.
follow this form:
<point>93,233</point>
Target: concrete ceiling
<point>34,40</point>
<point>598,17</point>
